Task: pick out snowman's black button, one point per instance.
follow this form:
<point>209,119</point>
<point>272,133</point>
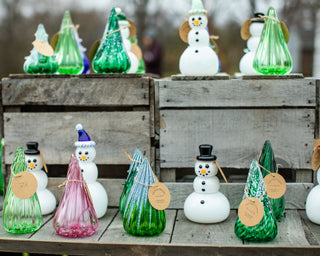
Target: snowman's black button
<point>81,170</point>
<point>197,33</point>
<point>196,51</point>
<point>202,202</point>
<point>197,40</point>
<point>203,190</point>
<point>203,183</point>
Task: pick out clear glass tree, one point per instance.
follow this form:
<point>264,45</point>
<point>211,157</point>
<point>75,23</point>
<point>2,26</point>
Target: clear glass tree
<point>67,51</point>
<point>36,63</point>
<point>272,55</point>
<point>267,229</point>
<point>111,56</point>
<point>140,218</point>
<point>267,160</point>
<point>20,215</point>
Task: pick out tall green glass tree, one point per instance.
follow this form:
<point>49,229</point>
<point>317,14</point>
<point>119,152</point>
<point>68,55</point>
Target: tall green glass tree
<point>267,160</point>
<point>132,172</point>
<point>36,63</point>
<point>111,56</point>
<point>20,215</point>
<point>67,51</point>
<point>140,218</point>
<point>267,228</point>
<point>272,55</point>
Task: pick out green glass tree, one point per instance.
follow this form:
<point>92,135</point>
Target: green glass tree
<point>267,229</point>
<point>111,56</point>
<point>36,63</point>
<point>67,51</point>
<point>20,215</point>
<point>132,172</point>
<point>140,218</point>
<point>268,161</point>
<point>272,55</point>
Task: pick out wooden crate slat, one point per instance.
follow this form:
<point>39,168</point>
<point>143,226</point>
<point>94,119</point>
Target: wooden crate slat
<point>237,93</point>
<point>237,136</point>
<point>187,232</point>
<point>56,134</point>
<point>312,230</point>
<point>76,92</point>
<point>116,232</point>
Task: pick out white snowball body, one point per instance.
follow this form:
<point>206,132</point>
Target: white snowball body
<point>46,198</point>
<point>313,202</point>
<point>86,156</point>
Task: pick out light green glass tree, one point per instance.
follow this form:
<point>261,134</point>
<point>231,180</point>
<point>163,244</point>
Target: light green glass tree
<point>272,55</point>
<point>111,56</point>
<point>132,172</point>
<point>36,63</point>
<point>140,218</point>
<point>20,215</point>
<point>267,229</point>
<point>67,51</point>
<point>268,161</point>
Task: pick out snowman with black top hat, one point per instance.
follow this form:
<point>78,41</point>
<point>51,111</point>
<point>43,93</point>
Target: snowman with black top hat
<point>34,165</point>
<point>206,204</point>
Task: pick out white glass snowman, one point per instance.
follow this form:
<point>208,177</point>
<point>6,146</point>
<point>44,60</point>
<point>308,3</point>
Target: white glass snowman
<point>34,165</point>
<point>125,32</point>
<point>255,30</point>
<point>313,202</point>
<point>198,59</point>
<point>86,153</point>
<point>206,204</point>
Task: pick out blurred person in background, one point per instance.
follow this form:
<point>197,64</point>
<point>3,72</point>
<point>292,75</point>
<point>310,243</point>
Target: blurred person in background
<point>153,53</point>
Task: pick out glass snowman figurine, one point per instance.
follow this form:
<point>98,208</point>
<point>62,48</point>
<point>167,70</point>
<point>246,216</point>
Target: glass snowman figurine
<point>34,165</point>
<point>206,204</point>
<point>313,202</point>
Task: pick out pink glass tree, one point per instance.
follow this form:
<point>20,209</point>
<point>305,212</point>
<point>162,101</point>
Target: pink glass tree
<point>75,216</point>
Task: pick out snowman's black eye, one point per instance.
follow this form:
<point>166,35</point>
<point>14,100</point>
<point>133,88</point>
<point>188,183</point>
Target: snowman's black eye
<point>192,19</point>
<point>207,166</point>
<point>200,166</point>
<point>199,18</point>
<point>34,160</point>
<point>86,152</point>
<point>80,153</point>
<point>29,161</point>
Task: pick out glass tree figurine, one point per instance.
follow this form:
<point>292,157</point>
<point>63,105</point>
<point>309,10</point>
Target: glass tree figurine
<point>86,69</point>
<point>267,161</point>
<point>37,63</point>
<point>132,172</point>
<point>67,51</point>
<point>272,55</point>
<point>20,215</point>
<point>75,216</point>
<point>140,218</point>
<point>111,56</point>
<point>266,229</point>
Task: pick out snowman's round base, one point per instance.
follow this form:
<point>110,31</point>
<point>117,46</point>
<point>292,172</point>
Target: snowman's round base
<point>47,201</point>
<point>246,64</point>
<point>313,205</point>
<point>99,197</point>
<point>206,208</point>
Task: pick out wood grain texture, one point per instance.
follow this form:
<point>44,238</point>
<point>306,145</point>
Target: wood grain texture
<point>273,77</point>
<point>56,134</point>
<point>116,232</point>
<point>312,230</point>
<point>76,92</point>
<point>237,93</point>
<point>237,136</point>
<point>219,76</point>
<point>200,234</point>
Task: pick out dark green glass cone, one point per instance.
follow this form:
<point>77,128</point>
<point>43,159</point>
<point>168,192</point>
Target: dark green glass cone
<point>272,55</point>
<point>267,160</point>
<point>140,218</point>
<point>137,160</point>
<point>20,215</point>
<point>267,229</point>
<point>111,56</point>
<point>37,63</point>
<point>67,51</point>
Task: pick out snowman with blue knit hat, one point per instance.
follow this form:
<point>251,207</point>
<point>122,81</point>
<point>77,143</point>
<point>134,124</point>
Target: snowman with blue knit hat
<point>86,153</point>
<point>206,204</point>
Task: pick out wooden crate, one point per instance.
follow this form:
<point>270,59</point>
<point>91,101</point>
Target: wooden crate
<point>117,111</point>
<point>236,116</point>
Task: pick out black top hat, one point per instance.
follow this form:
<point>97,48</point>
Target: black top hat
<point>206,153</point>
<point>257,15</point>
<point>32,148</point>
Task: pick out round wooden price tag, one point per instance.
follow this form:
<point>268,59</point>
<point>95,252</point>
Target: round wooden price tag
<point>132,29</point>
<point>24,185</point>
<point>184,31</point>
<point>245,34</point>
<point>251,211</point>
<point>275,185</point>
<point>43,48</point>
<point>159,196</point>
<point>285,31</point>
<point>136,50</point>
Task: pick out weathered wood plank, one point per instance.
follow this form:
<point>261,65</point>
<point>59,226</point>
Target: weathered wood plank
<point>313,233</point>
<point>237,136</point>
<point>116,232</point>
<point>56,134</point>
<point>76,92</point>
<point>237,93</point>
<point>187,232</point>
<point>93,75</point>
<point>274,77</point>
<point>219,76</point>
<point>290,232</point>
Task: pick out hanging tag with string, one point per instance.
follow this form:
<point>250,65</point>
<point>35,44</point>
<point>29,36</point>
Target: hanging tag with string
<point>24,184</point>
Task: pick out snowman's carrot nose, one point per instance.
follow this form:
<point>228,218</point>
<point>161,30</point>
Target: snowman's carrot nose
<point>196,22</point>
<point>31,165</point>
<point>203,171</point>
<point>83,157</point>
